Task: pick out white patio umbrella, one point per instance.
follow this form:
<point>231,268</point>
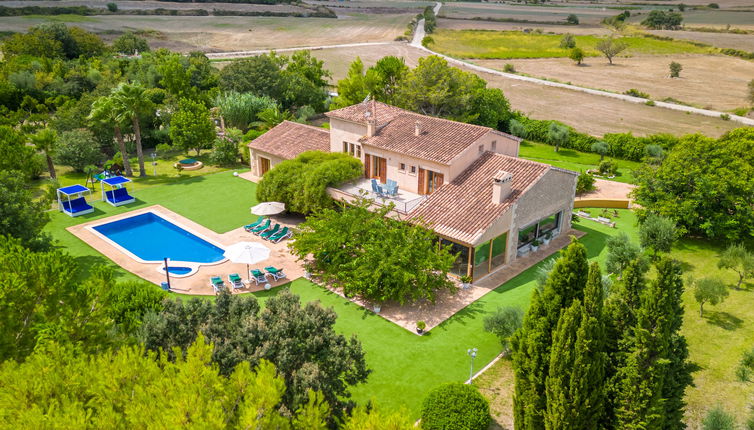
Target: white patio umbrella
<point>268,208</point>
<point>247,252</point>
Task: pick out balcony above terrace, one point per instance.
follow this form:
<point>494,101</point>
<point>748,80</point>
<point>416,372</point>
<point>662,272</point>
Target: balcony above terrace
<point>403,202</point>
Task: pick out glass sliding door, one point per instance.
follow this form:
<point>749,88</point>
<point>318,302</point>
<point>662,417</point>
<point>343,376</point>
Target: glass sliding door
<point>482,260</point>
<point>462,252</point>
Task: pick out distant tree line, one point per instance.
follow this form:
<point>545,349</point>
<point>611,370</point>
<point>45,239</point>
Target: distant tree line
<point>318,11</point>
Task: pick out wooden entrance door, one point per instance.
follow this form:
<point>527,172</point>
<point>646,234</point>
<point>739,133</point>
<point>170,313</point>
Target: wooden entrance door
<point>429,181</point>
<point>375,168</point>
<point>264,165</point>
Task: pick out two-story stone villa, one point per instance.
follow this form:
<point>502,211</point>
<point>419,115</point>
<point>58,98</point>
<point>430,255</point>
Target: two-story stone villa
<point>465,181</point>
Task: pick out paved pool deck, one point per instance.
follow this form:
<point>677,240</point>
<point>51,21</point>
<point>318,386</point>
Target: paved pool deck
<point>197,283</point>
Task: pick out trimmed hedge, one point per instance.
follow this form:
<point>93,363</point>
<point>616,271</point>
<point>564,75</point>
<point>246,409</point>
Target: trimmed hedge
<point>455,406</point>
<point>624,146</point>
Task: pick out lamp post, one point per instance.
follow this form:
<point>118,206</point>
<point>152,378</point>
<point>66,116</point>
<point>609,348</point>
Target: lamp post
<point>154,163</point>
<point>471,352</point>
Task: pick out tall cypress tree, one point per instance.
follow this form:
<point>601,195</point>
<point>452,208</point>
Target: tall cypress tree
<point>620,317</point>
<point>560,388</point>
<point>576,382</point>
<point>531,346</point>
<point>678,375</point>
<point>650,386</point>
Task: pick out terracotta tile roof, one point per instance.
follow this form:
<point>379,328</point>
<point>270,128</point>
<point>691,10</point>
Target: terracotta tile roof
<point>356,113</point>
<point>439,140</point>
<point>463,209</point>
<point>289,139</point>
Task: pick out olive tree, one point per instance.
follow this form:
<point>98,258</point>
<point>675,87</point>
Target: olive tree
<point>610,47</point>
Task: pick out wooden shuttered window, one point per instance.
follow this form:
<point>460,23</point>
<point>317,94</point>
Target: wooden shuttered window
<point>383,170</point>
<point>367,165</point>
<point>422,181</point>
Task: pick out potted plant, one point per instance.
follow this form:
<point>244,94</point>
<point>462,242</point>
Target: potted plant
<point>465,282</point>
<point>546,239</point>
<point>376,308</point>
<point>535,245</point>
<point>420,326</point>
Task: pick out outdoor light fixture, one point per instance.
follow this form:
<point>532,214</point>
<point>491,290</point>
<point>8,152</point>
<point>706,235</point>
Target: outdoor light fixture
<point>471,352</point>
<point>154,163</point>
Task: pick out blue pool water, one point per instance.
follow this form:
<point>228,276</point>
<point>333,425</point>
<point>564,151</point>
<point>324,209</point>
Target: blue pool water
<point>152,238</point>
<point>179,270</point>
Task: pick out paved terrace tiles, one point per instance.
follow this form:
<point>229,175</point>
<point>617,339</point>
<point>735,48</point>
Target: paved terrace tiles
<point>197,283</point>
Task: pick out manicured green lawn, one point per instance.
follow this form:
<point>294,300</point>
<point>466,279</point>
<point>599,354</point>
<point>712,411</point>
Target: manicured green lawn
<point>515,44</point>
<point>165,171</point>
<point>574,160</point>
<point>219,201</point>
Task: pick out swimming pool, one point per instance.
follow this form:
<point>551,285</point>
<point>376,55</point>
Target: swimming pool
<point>149,238</point>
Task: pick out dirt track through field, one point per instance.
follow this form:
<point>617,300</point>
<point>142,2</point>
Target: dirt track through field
<point>419,35</point>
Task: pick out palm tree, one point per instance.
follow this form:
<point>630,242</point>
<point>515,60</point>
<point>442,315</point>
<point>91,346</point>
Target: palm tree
<point>44,141</point>
<point>104,110</point>
<point>131,101</point>
<point>271,117</point>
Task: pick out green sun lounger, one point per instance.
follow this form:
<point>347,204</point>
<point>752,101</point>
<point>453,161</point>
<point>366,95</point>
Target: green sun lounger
<point>256,223</point>
<point>235,280</point>
<point>280,235</point>
<point>258,276</point>
<point>260,228</point>
<point>269,233</point>
<point>275,272</point>
<point>217,283</point>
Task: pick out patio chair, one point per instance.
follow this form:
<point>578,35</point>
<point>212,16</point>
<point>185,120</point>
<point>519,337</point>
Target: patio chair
<point>392,187</point>
<point>262,227</point>
<point>235,280</point>
<point>249,227</point>
<point>284,233</point>
<point>275,273</point>
<point>258,276</point>
<point>376,188</point>
<point>266,235</point>
<point>217,283</point>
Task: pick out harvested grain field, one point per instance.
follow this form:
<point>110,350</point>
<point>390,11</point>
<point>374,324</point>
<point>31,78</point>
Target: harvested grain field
<point>588,113</point>
<point>650,74</point>
<point>472,24</point>
<point>236,33</point>
<point>721,40</point>
<point>586,14</point>
<point>149,5</point>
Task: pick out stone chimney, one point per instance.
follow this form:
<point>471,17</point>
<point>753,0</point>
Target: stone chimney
<point>371,117</point>
<point>417,128</point>
<point>501,186</point>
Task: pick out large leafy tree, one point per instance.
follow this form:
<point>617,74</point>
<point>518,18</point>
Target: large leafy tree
<point>191,126</point>
<point>104,110</point>
<point>78,149</point>
<point>373,256</point>
<point>295,82</point>
<point>43,299</point>
<point>131,101</point>
<point>300,340</point>
<point>738,259</point>
<point>132,389</point>
<point>21,216</point>
<point>380,82</point>
<point>301,183</point>
<point>657,233</point>
<point>705,185</point>
<point>16,154</point>
<point>130,44</point>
